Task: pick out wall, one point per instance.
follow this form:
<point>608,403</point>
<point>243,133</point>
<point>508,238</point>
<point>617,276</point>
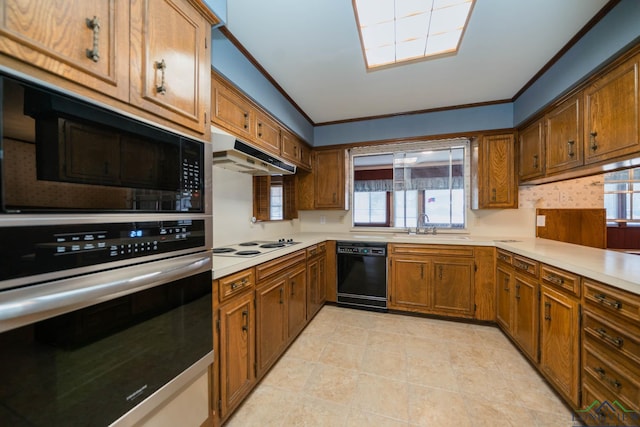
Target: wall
<point>498,223</point>
<point>233,209</point>
<point>232,64</point>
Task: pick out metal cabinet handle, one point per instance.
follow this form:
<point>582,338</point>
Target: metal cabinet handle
<point>616,341</point>
<point>603,376</point>
<point>162,66</point>
<point>592,141</point>
<point>293,292</point>
<point>554,279</point>
<point>93,53</point>
<point>571,143</point>
<point>547,311</point>
<point>422,271</point>
<point>246,120</point>
<point>518,291</point>
<point>493,195</point>
<point>440,272</point>
<point>536,162</point>
<point>259,130</point>
<point>245,320</point>
<point>602,298</point>
<point>281,295</point>
<point>506,284</point>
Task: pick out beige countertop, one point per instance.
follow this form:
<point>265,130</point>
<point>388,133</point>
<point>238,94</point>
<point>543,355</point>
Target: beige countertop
<point>618,269</point>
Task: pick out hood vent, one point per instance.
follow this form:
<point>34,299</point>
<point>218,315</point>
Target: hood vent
<point>233,154</point>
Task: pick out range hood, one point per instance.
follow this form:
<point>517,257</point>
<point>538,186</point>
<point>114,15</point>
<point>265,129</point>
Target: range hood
<point>231,153</point>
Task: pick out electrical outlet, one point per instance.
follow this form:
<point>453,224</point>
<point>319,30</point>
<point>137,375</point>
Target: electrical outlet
<point>323,219</point>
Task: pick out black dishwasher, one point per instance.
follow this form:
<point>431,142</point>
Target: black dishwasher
<point>362,275</point>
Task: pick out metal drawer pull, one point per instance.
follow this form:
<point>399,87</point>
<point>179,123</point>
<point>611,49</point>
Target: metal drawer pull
<point>571,144</point>
<point>94,25</point>
<point>522,266</point>
<point>236,285</point>
<point>554,279</point>
<point>162,66</point>
<point>592,141</point>
<point>547,311</point>
<point>615,383</point>
<point>518,291</point>
<point>603,299</point>
<point>613,340</point>
<point>506,284</point>
<point>245,318</point>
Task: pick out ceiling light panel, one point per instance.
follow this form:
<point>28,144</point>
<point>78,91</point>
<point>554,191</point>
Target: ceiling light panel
<point>393,31</point>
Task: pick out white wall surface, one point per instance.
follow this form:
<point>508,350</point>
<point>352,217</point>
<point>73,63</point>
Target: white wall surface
<point>233,209</point>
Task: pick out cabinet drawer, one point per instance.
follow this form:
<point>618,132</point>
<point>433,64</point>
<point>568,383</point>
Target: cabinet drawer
<point>504,257</point>
<point>560,279</point>
<point>525,265</point>
<point>605,411</point>
<point>610,375</point>
<point>439,250</point>
<point>622,304</point>
<point>617,340</point>
<point>315,250</point>
<point>278,265</point>
<point>236,283</point>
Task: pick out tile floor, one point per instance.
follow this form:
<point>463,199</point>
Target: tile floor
<point>358,368</point>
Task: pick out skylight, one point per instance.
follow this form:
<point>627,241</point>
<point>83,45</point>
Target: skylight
<point>395,31</point>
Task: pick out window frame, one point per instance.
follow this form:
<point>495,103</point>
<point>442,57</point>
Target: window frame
<point>423,145</point>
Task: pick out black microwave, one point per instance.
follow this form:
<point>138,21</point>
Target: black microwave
<point>62,154</point>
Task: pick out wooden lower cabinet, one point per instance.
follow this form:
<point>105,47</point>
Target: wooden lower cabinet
<point>237,351</point>
<point>452,286</point>
<point>271,318</point>
<point>504,285</point>
<point>560,341</point>
<point>296,301</point>
<point>422,280</point>
<point>525,314</point>
<point>316,283</point>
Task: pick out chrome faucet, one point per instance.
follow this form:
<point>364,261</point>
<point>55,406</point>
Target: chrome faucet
<point>423,220</point>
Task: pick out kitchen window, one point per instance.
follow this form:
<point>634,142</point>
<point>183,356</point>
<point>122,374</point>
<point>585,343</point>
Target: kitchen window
<point>274,198</point>
<point>622,195</point>
<point>406,185</point>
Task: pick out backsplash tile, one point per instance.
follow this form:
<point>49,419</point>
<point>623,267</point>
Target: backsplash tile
<point>580,193</point>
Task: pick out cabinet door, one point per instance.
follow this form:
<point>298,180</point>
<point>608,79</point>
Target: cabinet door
<point>452,286</point>
<point>305,156</point>
<point>496,173</point>
<point>525,315</point>
<point>329,179</point>
<point>504,282</point>
<point>564,136</point>
<point>611,114</point>
<point>289,147</point>
<point>296,301</point>
<point>86,42</point>
<point>237,350</point>
<point>531,155</point>
<point>559,341</point>
<point>271,319</point>
<point>267,133</point>
<point>230,110</point>
<point>170,61</point>
<point>408,288</point>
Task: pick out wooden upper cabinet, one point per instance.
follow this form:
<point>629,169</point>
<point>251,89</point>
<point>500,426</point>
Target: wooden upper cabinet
<point>329,173</point>
<point>294,150</point>
<point>231,110</point>
<point>86,42</point>
<point>611,114</point>
<point>564,147</point>
<point>494,174</point>
<point>267,133</point>
<point>170,61</point>
<point>531,151</point>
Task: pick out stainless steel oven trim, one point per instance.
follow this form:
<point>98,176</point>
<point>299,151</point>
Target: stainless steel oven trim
<point>162,395</point>
<point>23,306</point>
<point>18,220</point>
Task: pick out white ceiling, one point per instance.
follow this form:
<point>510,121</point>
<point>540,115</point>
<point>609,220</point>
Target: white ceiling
<point>312,50</point>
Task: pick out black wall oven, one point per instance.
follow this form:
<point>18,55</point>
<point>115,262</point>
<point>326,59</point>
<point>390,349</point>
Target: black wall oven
<point>105,261</point>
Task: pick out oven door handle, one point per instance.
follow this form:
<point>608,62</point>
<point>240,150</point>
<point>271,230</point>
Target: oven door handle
<point>23,306</point>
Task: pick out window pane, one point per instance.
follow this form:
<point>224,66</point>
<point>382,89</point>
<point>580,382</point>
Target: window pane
<point>636,207</point>
<point>361,207</point>
<point>621,186</point>
<point>276,203</point>
<point>617,176</point>
<point>378,203</point>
